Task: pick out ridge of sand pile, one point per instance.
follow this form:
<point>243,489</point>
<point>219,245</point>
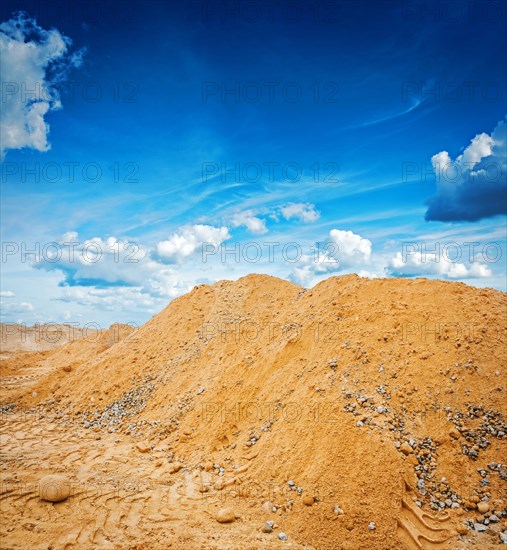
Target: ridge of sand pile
<point>380,397</point>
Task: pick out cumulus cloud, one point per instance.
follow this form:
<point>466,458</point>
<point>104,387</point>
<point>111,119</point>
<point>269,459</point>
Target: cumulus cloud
<point>117,274</point>
<point>107,299</point>
<point>474,185</point>
<point>7,294</point>
<point>351,249</point>
<point>342,251</point>
<point>8,309</point>
<point>418,264</point>
<point>109,264</point>
<point>34,60</point>
<point>188,240</point>
<point>248,219</point>
<point>303,212</point>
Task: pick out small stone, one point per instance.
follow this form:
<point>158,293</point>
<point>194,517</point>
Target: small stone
<point>267,527</point>
<point>225,515</point>
<point>503,537</point>
<point>372,526</point>
<point>494,518</point>
<point>479,527</point>
<point>308,501</point>
<point>282,536</point>
<point>483,507</point>
<point>54,488</point>
<point>454,433</point>
<point>406,449</point>
<point>461,529</point>
<point>267,507</point>
<point>143,447</point>
<point>176,467</point>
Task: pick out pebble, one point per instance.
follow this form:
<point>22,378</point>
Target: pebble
<point>143,447</point>
<point>54,488</point>
<point>479,527</point>
<point>406,449</point>
<point>225,515</point>
<point>372,526</point>
<point>282,536</point>
<point>175,467</point>
<point>308,501</point>
<point>267,507</point>
<point>483,507</point>
<point>462,529</point>
<point>503,537</point>
<point>268,527</point>
<point>338,510</point>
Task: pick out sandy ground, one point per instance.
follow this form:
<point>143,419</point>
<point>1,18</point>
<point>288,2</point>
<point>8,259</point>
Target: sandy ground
<point>358,414</point>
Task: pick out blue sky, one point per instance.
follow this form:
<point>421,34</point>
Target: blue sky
<point>358,136</point>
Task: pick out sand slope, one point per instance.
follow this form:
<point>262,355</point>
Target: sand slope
<point>379,398</point>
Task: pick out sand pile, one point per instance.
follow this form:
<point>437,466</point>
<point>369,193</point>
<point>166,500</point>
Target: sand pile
<point>358,414</point>
<point>54,347</point>
<point>17,338</point>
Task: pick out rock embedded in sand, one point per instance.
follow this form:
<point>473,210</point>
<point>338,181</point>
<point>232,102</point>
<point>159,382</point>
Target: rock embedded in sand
<point>225,515</point>
<point>454,433</point>
<point>267,507</point>
<point>483,507</point>
<point>143,447</point>
<point>175,467</point>
<point>268,526</point>
<point>282,536</point>
<point>462,529</point>
<point>406,449</point>
<point>308,501</point>
<point>54,488</point>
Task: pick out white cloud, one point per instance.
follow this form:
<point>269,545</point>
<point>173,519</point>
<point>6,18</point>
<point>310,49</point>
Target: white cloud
<point>187,240</point>
<point>69,237</point>
<point>7,294</point>
<point>33,60</point>
<point>419,264</point>
<point>112,299</point>
<point>352,249</point>
<point>341,252</point>
<point>10,308</point>
<point>303,212</point>
<point>471,187</point>
<point>255,225</point>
